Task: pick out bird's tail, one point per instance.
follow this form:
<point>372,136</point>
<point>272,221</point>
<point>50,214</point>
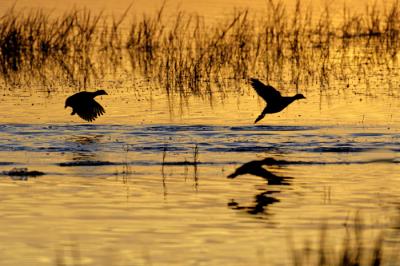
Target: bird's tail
<point>233,175</point>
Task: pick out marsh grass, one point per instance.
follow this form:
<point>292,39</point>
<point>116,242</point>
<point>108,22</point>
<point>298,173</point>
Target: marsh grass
<point>353,250</point>
<point>186,55</point>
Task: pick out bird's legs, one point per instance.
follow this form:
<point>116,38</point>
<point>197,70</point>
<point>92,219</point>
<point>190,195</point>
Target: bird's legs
<point>261,116</point>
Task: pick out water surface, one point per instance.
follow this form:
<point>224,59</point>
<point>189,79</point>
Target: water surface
<point>146,184</point>
<point>108,195</point>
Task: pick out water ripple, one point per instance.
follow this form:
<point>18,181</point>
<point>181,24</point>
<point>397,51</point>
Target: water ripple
<point>96,139</point>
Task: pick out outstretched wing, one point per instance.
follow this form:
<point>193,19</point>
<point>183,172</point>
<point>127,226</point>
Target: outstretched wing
<point>90,111</point>
<point>267,92</point>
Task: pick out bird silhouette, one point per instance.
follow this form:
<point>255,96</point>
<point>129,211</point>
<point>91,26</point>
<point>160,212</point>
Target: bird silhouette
<point>255,168</point>
<point>262,201</point>
<point>275,101</point>
<point>83,104</point>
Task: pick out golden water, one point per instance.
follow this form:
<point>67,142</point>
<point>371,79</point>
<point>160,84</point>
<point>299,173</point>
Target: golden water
<point>341,151</point>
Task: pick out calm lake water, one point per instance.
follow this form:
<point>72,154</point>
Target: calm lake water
<point>130,188</point>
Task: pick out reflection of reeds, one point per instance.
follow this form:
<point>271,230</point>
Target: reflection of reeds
<point>195,155</point>
<point>195,162</point>
<point>186,55</point>
<point>126,168</point>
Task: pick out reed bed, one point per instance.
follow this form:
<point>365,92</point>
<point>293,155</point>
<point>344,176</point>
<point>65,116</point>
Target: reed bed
<point>352,251</point>
<point>183,54</point>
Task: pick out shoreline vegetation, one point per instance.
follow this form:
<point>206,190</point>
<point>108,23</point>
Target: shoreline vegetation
<point>352,249</point>
<point>185,55</point>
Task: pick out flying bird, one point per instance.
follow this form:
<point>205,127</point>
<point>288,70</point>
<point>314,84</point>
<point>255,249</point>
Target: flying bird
<point>275,101</point>
<point>83,104</point>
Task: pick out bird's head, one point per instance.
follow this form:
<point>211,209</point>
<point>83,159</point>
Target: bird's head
<point>101,92</point>
<point>299,96</point>
<point>68,103</point>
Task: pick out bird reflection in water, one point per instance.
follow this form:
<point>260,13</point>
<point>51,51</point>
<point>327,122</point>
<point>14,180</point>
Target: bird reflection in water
<point>262,200</point>
<point>85,147</point>
<point>265,198</point>
<point>256,168</point>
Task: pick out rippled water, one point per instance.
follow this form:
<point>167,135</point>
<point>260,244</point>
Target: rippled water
<point>109,198</point>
